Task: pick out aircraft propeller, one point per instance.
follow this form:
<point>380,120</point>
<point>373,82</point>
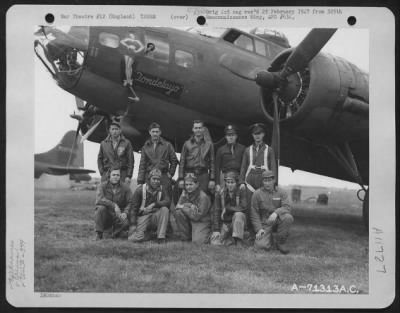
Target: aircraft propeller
<point>310,46</point>
<point>275,81</point>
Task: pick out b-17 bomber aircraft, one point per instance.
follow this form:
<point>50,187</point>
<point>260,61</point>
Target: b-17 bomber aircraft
<point>315,105</point>
<point>65,158</point>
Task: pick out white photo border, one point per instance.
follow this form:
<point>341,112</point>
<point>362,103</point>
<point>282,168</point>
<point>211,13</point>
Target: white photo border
<point>20,24</point>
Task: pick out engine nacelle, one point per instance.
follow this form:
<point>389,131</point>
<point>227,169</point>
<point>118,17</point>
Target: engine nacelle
<point>331,95</point>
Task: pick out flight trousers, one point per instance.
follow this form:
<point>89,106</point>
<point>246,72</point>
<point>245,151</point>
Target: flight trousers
<point>157,221</point>
<point>281,227</point>
<point>197,232</point>
<point>234,229</point>
<point>106,219</point>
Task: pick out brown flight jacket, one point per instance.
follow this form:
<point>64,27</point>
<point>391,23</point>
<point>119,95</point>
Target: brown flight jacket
<point>162,157</point>
<point>196,206</point>
<point>226,161</point>
<point>197,155</point>
<point>122,156</point>
<point>120,195</point>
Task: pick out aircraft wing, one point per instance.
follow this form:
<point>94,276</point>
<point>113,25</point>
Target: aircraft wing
<point>62,170</point>
<point>300,154</point>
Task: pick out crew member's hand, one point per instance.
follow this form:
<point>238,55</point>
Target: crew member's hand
<point>272,218</point>
<point>215,235</point>
<point>123,216</point>
<point>218,188</point>
<point>242,186</point>
<point>181,184</point>
<point>260,233</point>
<point>149,208</point>
<point>211,184</point>
<point>127,180</point>
<point>117,209</point>
<point>169,175</point>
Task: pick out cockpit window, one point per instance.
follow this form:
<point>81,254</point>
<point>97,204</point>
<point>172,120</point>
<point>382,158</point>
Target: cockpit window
<point>161,50</point>
<point>260,47</point>
<point>244,42</point>
<point>109,40</point>
<point>184,59</point>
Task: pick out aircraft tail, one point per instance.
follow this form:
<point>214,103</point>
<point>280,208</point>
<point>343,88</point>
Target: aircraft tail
<point>61,154</point>
<point>65,158</point>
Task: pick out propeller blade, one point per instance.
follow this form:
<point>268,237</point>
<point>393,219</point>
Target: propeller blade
<point>91,130</point>
<point>239,66</point>
<point>276,136</point>
<point>307,50</point>
<point>80,104</point>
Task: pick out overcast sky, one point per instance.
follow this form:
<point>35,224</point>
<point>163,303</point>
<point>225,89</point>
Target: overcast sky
<point>54,105</point>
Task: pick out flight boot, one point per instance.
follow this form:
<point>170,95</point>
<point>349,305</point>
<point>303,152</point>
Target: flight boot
<point>99,236</point>
<point>282,246</point>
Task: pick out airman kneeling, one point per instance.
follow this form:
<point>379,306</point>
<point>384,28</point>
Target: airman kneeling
<point>149,209</point>
<point>193,214</point>
<point>230,211</point>
<point>270,212</point>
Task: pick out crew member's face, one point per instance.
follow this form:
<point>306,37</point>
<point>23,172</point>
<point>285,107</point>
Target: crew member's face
<point>230,184</point>
<point>155,182</point>
<point>231,138</point>
<point>115,176</point>
<point>198,129</point>
<point>191,186</point>
<point>269,183</point>
<point>258,137</point>
<point>155,134</point>
<point>115,131</point>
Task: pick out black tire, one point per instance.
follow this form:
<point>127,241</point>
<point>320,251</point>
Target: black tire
<point>366,210</point>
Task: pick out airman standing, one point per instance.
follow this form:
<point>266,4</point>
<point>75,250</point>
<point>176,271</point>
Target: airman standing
<point>157,153</point>
<point>116,150</point>
<point>257,158</point>
<point>229,157</point>
<point>197,157</point>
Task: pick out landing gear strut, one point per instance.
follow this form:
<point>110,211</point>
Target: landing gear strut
<point>365,208</point>
<point>345,157</point>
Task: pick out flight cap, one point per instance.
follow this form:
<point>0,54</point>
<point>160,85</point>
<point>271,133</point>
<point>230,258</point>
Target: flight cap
<point>257,128</point>
<point>191,177</point>
<point>267,174</point>
<point>230,129</point>
<point>231,175</point>
<point>155,172</point>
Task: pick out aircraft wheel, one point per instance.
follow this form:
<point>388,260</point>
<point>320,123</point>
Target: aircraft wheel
<point>366,210</point>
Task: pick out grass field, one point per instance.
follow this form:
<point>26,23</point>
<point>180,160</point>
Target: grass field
<point>329,246</point>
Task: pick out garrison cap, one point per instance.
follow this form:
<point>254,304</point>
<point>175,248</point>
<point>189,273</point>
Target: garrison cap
<point>115,122</point>
<point>230,129</point>
<point>155,172</point>
<point>191,177</point>
<point>231,175</point>
<point>267,174</point>
<point>154,125</point>
<point>257,128</point>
